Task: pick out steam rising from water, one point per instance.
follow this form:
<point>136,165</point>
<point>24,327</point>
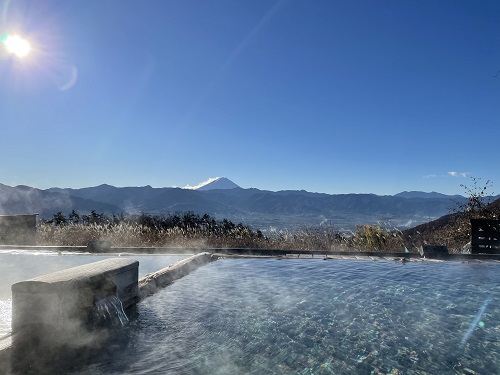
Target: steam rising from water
<point>256,316</point>
<point>313,317</point>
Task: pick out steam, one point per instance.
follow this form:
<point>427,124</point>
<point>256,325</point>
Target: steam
<point>26,200</point>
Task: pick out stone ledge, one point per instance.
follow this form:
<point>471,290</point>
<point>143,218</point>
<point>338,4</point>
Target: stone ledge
<point>152,282</point>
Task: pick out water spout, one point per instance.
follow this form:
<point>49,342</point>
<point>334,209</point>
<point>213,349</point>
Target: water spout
<point>109,311</point>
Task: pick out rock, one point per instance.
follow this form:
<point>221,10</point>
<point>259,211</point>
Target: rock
<point>99,245</point>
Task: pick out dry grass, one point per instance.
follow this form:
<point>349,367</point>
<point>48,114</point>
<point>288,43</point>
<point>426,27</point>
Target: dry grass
<point>372,238</point>
<point>137,235</point>
<point>194,231</point>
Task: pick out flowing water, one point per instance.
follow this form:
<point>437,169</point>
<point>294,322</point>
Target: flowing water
<point>109,312</point>
<point>267,316</point>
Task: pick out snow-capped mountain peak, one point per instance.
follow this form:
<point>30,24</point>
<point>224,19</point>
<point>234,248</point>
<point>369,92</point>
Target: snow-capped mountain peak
<point>214,183</point>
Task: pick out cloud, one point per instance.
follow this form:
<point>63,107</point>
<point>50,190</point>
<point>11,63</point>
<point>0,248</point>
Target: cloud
<point>458,174</point>
<point>201,184</point>
<point>430,176</point>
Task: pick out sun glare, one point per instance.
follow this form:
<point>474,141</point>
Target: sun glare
<point>16,45</point>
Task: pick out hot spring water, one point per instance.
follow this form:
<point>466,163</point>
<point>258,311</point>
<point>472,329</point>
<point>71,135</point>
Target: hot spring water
<point>268,316</point>
<point>265,316</point>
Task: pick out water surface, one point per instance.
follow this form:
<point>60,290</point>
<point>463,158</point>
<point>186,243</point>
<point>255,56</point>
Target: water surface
<point>267,316</point>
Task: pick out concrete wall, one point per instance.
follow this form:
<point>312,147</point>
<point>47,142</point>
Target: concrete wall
<point>56,313</point>
<point>18,229</point>
<point>53,325</point>
<point>62,299</point>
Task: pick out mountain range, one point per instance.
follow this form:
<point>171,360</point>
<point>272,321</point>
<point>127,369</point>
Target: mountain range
<point>221,198</point>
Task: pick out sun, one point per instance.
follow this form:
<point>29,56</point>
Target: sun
<point>16,45</point>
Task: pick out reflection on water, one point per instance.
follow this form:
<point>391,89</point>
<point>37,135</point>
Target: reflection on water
<point>258,316</point>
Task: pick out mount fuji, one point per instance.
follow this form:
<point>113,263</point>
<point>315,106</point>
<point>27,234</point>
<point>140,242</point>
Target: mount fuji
<point>216,183</point>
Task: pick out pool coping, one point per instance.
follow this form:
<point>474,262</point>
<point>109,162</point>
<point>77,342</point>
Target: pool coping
<point>250,252</point>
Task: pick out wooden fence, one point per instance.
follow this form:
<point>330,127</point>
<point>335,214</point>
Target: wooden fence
<point>485,236</point>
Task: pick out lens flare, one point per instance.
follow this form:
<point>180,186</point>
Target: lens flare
<point>16,45</point>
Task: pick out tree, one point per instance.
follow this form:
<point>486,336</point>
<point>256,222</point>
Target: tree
<point>94,218</point>
<point>73,217</point>
<point>478,198</point>
<point>59,219</point>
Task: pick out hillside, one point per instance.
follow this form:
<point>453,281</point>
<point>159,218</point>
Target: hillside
<point>263,209</point>
<point>451,230</point>
<point>222,199</point>
<point>27,200</point>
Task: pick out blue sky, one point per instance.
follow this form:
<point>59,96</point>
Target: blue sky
<point>326,96</point>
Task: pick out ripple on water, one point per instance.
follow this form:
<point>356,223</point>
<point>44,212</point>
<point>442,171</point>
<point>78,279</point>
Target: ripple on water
<point>262,316</point>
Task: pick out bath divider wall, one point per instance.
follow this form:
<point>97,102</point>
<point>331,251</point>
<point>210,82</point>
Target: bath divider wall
<point>54,316</point>
<point>65,300</point>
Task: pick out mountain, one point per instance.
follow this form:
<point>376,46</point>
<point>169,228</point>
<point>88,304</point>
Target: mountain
<point>421,194</point>
<point>217,183</point>
<point>27,200</point>
<point>222,198</point>
<point>129,199</point>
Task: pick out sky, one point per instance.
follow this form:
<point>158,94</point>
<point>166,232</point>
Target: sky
<point>330,96</point>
